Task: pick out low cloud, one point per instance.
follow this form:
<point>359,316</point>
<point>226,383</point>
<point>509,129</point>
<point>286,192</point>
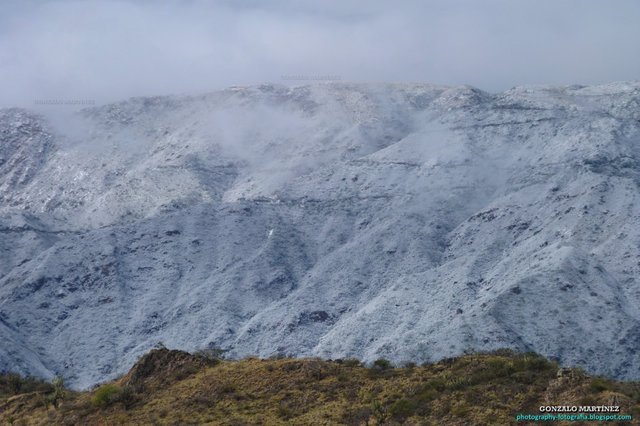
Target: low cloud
<point>70,52</point>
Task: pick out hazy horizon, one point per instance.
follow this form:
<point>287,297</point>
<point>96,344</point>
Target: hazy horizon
<point>100,51</point>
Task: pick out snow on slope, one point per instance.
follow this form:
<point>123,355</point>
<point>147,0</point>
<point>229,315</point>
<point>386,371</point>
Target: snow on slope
<point>382,220</point>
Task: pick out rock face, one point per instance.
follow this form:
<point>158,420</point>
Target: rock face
<point>410,222</point>
<point>161,365</point>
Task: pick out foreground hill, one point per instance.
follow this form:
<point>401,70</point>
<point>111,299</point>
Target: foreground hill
<point>402,221</point>
<point>174,387</point>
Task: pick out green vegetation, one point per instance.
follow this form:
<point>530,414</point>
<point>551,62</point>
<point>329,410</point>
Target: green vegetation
<point>382,364</point>
<point>106,395</point>
<point>172,387</point>
<point>12,384</point>
<point>58,393</point>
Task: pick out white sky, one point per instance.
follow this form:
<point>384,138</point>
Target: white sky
<point>107,50</point>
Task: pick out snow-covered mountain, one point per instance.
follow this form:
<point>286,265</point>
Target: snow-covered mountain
<point>405,221</point>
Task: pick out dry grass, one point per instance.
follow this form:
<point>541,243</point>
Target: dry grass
<point>473,389</point>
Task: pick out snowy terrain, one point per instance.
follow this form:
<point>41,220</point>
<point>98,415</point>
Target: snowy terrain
<point>405,221</point>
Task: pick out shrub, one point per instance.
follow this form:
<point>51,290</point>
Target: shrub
<point>343,377</point>
<point>127,396</point>
<point>382,364</point>
<point>402,408</point>
<point>437,384</point>
<point>525,377</point>
<point>531,362</point>
<point>106,395</point>
<point>317,370</point>
<point>499,364</point>
<point>426,394</point>
<point>381,368</point>
<point>409,365</point>
<point>286,411</point>
<point>455,383</point>
<point>227,388</point>
<point>351,362</point>
<point>13,384</point>
<point>495,368</point>
<point>379,411</point>
<point>59,391</point>
<point>460,410</point>
<point>504,352</point>
<point>599,384</point>
<point>357,416</point>
<point>182,373</point>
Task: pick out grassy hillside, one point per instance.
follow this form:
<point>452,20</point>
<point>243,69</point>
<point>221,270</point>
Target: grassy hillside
<point>174,387</point>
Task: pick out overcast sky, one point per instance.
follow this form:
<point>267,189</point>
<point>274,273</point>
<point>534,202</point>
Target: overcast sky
<point>106,50</point>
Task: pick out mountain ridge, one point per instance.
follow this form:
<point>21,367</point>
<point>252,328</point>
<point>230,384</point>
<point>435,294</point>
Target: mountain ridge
<point>411,222</point>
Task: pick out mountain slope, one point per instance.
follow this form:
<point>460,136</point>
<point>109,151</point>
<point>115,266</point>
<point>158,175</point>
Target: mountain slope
<point>399,221</point>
